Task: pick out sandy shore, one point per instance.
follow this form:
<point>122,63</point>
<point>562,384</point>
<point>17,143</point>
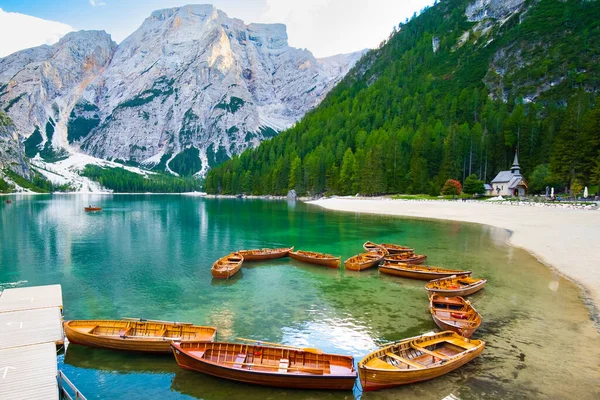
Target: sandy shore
<point>567,240</point>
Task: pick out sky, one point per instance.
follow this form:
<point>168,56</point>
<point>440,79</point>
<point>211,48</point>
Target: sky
<point>325,27</point>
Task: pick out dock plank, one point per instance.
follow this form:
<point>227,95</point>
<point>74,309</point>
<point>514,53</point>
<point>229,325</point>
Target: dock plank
<point>21,328</point>
<point>29,372</point>
<point>29,298</point>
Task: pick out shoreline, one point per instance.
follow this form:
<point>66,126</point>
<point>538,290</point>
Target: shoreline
<point>565,240</point>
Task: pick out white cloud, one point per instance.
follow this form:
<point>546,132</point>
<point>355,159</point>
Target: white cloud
<point>96,3</point>
<point>328,27</point>
<point>20,31</point>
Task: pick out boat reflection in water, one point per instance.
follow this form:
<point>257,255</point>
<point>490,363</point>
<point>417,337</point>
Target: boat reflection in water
<point>227,282</point>
<point>202,386</point>
<point>119,362</point>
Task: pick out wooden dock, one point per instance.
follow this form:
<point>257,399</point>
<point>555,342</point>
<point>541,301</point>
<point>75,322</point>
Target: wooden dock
<point>30,329</point>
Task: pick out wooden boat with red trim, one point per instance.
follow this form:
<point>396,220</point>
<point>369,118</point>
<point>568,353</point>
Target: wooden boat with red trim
<point>453,286</point>
<point>364,260</point>
<point>135,334</point>
<point>396,248</point>
<point>405,258</point>
<point>92,209</point>
<point>226,267</point>
<point>415,271</point>
<point>370,246</point>
<point>417,359</point>
<point>454,314</point>
<point>312,257</point>
<point>266,365</point>
<point>265,254</point>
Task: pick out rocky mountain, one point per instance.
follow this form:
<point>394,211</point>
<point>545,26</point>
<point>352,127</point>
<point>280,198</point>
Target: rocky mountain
<point>11,149</point>
<point>454,92</point>
<point>187,90</point>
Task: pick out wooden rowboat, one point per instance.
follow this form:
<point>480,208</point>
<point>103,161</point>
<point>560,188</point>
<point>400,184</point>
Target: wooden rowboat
<point>461,285</point>
<point>417,359</point>
<point>266,365</point>
<point>226,267</point>
<point>370,246</point>
<point>419,271</point>
<point>396,249</point>
<point>265,254</point>
<point>405,258</point>
<point>135,334</point>
<point>312,257</point>
<point>364,260</point>
<point>454,314</point>
<point>91,209</point>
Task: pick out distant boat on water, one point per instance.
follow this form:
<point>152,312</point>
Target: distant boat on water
<point>92,208</point>
<point>265,254</point>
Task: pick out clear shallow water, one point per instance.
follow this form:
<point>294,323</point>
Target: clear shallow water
<point>150,256</point>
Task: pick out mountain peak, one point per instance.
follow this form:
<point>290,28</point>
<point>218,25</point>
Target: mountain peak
<point>198,10</point>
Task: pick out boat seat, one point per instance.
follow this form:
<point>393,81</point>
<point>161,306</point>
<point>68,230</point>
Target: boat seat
<point>430,352</point>
<point>284,364</point>
<point>92,329</point>
<point>239,360</point>
<point>404,360</point>
<point>161,333</point>
<point>123,332</point>
<point>377,363</point>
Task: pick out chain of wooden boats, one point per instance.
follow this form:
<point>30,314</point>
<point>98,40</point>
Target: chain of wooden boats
<point>227,266</point>
<point>415,271</point>
<point>388,247</point>
<point>135,334</point>
<point>265,254</point>
<point>453,286</point>
<point>454,314</point>
<point>312,257</point>
<point>405,258</point>
<point>363,261</point>
<point>267,365</point>
<point>92,209</point>
<point>417,359</point>
<point>371,246</point>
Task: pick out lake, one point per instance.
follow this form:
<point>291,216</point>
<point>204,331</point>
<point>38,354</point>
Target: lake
<point>150,256</point>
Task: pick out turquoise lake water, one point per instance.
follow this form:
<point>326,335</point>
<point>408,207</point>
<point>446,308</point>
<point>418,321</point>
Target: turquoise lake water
<point>150,257</point>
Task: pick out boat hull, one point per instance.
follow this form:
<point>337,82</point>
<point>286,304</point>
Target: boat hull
<point>378,379</point>
<point>128,343</point>
<point>282,380</point>
<point>462,292</point>
<point>360,266</point>
<point>395,249</point>
<point>420,259</point>
<point>231,267</point>
<point>454,314</point>
<point>409,361</point>
<point>462,331</point>
<point>249,256</point>
<point>413,274</point>
<point>326,262</point>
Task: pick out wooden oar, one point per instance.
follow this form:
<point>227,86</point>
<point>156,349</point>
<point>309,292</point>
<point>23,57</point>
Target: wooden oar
<point>315,371</point>
<point>306,349</point>
<point>155,321</point>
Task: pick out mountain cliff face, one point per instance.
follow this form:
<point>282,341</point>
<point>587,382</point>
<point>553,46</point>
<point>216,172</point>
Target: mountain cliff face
<point>187,90</point>
<point>11,149</point>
